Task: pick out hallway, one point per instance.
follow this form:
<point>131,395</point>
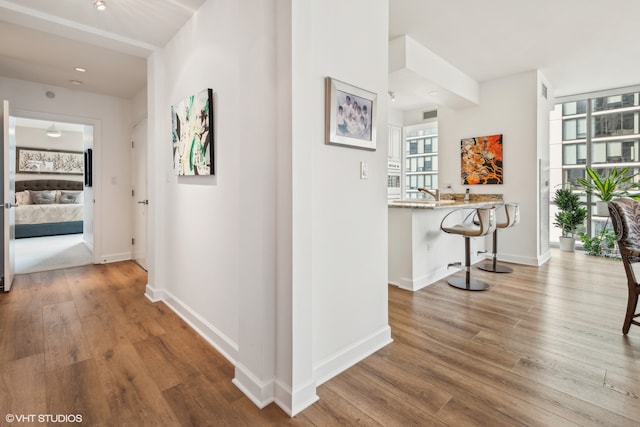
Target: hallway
<point>543,346</point>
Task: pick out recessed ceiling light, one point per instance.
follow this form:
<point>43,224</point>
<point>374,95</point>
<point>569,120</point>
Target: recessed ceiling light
<point>75,82</point>
<point>80,69</point>
<point>100,4</point>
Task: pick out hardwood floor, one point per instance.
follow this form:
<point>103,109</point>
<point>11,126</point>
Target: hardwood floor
<point>542,347</point>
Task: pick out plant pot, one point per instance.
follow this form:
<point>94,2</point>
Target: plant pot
<point>567,244</point>
<point>602,209</point>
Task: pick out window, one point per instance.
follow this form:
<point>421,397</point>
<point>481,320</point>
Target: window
<point>572,108</point>
<point>421,159</point>
<point>574,129</point>
<point>614,141</point>
<point>615,124</point>
<point>614,102</point>
<point>574,154</point>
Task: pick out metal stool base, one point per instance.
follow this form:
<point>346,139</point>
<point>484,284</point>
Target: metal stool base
<point>495,268</point>
<point>471,285</point>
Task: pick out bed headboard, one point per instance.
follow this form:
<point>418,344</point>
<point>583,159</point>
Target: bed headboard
<point>49,184</point>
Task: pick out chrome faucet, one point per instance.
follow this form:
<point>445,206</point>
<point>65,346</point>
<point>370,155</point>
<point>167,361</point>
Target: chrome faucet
<point>433,193</point>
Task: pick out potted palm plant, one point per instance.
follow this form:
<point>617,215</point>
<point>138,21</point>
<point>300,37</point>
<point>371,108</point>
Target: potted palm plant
<point>569,218</point>
<point>605,188</point>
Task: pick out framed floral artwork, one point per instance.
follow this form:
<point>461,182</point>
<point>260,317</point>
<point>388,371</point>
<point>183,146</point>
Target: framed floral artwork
<point>42,160</point>
<point>481,160</point>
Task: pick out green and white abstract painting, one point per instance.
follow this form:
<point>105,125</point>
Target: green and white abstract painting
<point>192,134</point>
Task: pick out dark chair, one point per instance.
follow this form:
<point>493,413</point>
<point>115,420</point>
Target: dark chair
<point>512,217</point>
<point>625,217</point>
<point>479,222</point>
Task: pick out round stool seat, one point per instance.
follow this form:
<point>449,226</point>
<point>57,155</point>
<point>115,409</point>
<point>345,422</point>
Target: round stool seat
<point>478,222</point>
<point>470,230</point>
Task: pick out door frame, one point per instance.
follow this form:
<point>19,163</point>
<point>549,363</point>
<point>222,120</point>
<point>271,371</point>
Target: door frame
<point>97,142</point>
<point>8,202</point>
<point>135,203</point>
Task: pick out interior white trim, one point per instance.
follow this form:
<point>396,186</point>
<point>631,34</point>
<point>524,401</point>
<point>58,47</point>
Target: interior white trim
<point>293,403</point>
<point>97,168</point>
<point>259,392</point>
<point>514,259</point>
<point>350,355</point>
<point>124,256</point>
<point>206,330</point>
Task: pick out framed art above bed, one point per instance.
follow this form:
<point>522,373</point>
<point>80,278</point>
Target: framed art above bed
<point>39,160</point>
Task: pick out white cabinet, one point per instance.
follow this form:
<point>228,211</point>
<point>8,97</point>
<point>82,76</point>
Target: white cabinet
<point>395,143</point>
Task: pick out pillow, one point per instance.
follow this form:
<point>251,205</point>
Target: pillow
<point>43,197</point>
<point>23,197</point>
<point>70,197</point>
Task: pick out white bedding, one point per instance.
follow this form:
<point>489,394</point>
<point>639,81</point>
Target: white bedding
<point>58,212</point>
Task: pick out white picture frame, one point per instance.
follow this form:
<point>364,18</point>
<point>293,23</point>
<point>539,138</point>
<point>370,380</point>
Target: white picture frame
<point>350,115</point>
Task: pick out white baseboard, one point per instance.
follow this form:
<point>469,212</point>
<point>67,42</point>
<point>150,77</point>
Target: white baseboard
<point>206,330</point>
<point>544,257</point>
<point>349,356</point>
<point>432,277</point>
<point>524,260</point>
<point>293,403</point>
<point>124,256</point>
<point>151,293</point>
<point>264,393</point>
<point>259,392</point>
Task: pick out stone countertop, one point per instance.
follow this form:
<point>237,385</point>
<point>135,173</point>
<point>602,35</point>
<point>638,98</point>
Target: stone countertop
<point>449,201</point>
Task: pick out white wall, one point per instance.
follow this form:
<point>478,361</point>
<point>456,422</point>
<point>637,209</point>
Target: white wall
<point>545,107</point>
<point>349,229</point>
<point>508,106</point>
<point>111,118</point>
<point>213,236</point>
<point>279,260</point>
<point>555,166</point>
<point>198,246</point>
<point>37,138</point>
<point>139,107</point>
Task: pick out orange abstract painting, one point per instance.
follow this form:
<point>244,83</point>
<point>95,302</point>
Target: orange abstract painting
<point>481,160</point>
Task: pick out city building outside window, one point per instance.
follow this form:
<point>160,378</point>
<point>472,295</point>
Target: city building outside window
<point>421,159</point>
<point>601,132</point>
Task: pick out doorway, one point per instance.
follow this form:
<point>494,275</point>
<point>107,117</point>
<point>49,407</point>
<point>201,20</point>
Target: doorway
<point>57,234</point>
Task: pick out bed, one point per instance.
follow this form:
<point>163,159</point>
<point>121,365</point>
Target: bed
<point>48,207</point>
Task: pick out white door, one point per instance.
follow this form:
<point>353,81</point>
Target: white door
<point>9,190</point>
<point>139,192</point>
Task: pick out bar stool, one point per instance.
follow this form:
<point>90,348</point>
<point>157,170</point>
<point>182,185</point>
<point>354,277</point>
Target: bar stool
<point>477,223</point>
<point>512,217</point>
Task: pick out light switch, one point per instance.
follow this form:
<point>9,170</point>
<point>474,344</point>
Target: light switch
<point>364,170</point>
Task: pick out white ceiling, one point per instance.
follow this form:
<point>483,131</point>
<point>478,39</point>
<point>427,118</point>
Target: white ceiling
<point>573,42</point>
<point>579,45</point>
<point>44,40</point>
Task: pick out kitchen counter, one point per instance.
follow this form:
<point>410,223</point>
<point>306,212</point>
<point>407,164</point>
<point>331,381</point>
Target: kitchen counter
<point>449,200</point>
<point>442,204</point>
<point>418,250</point>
